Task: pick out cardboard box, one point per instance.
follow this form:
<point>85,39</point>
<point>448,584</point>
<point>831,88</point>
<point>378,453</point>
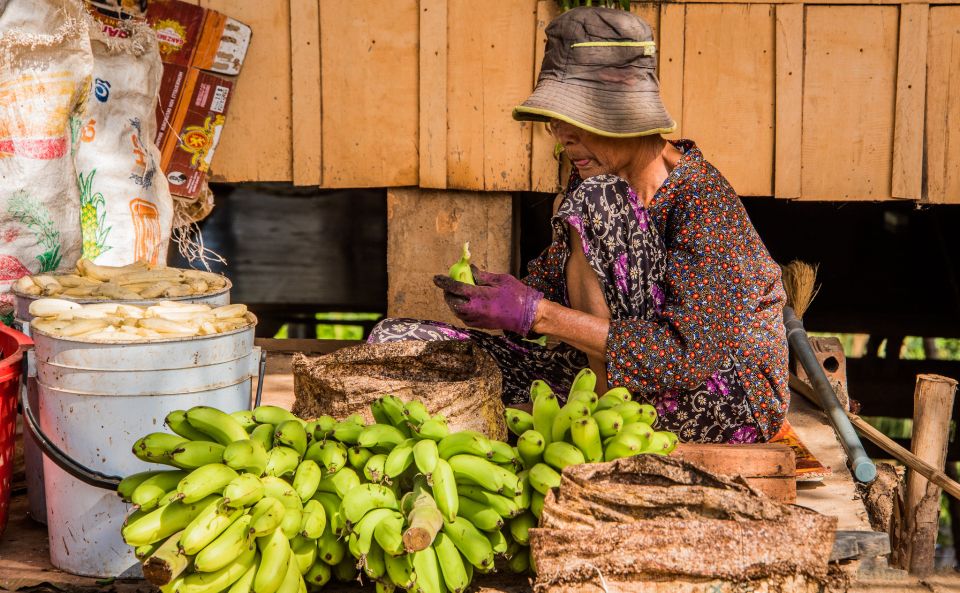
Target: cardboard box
<point>190,35</point>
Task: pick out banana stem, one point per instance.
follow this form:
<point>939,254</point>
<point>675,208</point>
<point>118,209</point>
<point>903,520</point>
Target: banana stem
<point>167,563</point>
<point>425,521</point>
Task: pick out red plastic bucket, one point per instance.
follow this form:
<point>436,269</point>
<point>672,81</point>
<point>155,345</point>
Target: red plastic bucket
<point>12,346</point>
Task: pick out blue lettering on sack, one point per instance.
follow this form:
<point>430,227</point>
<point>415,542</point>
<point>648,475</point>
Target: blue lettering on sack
<point>101,89</point>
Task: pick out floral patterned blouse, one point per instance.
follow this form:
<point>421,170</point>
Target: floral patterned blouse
<point>722,297</point>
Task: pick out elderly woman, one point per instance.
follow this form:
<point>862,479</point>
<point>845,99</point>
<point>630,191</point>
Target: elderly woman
<point>656,278</point>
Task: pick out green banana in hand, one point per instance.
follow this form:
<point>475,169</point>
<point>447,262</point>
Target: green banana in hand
<point>194,454</point>
<point>518,421</point>
<point>177,422</point>
<point>292,433</point>
<point>460,271</point>
<point>246,456</point>
<point>222,427</point>
<point>204,481</point>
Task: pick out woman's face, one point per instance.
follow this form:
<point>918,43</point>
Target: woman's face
<point>591,153</point>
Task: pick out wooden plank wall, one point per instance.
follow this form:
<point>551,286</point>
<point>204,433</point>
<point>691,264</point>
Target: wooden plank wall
<point>815,100</point>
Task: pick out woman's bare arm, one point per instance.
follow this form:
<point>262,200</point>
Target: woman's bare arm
<point>583,331</point>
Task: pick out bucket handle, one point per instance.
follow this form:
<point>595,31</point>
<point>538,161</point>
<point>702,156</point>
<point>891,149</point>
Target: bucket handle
<point>261,371</point>
<point>63,461</point>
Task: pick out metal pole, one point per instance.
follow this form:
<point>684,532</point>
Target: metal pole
<point>860,464</point>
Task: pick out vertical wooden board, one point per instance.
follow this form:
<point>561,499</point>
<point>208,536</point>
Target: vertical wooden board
<point>942,141</point>
<point>433,93</point>
<point>728,90</point>
<point>465,94</point>
<point>788,101</point>
<point>256,140</point>
<point>544,167</point>
<point>305,91</point>
<point>650,12</point>
<point>370,63</point>
<point>907,180</point>
<point>672,18</point>
<point>848,102</point>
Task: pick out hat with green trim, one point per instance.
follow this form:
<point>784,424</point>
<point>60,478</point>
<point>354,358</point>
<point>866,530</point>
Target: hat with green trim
<point>599,74</point>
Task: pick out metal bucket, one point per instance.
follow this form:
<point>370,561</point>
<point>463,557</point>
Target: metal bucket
<point>32,457</point>
<point>95,401</point>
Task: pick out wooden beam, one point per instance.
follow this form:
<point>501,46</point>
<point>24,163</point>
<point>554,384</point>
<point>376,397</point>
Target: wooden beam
<point>433,94</point>
<point>907,178</point>
<point>544,168</point>
<point>789,101</point>
<point>305,92</point>
<point>672,23</point>
<point>942,142</point>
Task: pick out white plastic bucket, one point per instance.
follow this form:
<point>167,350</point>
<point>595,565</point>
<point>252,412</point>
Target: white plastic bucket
<point>32,457</point>
<point>96,400</point>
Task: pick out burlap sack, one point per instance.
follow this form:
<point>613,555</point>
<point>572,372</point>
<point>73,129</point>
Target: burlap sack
<point>655,524</point>
<point>126,211</point>
<point>452,378</point>
<point>45,66</point>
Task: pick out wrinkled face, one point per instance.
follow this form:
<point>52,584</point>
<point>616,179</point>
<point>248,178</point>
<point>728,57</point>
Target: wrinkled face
<point>591,153</point>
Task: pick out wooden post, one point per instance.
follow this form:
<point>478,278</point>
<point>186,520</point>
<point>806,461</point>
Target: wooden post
<point>933,407</point>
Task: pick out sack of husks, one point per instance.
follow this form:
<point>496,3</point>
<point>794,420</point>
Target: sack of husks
<point>655,524</point>
<point>452,378</point>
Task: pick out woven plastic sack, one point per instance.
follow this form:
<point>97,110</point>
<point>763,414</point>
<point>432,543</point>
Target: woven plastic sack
<point>452,378</point>
<point>126,210</point>
<point>45,67</point>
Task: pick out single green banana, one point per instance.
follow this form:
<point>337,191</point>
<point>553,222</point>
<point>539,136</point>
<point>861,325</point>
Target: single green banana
<point>156,447</point>
<point>380,437</point>
<point>219,580</point>
<point>483,517</point>
<point>339,483</point>
<point>661,443</point>
<point>469,469</point>
<point>379,412</point>
<point>629,411</point>
<point>226,547</point>
<point>362,499</point>
<point>399,458</point>
<point>460,271</point>
<point>415,412</point>
<point>623,445</point>
<point>393,407</point>
<point>573,410</point>
<point>291,576</point>
<point>518,421</point>
<point>145,551</point>
<point>530,447</point>
<point>324,429</point>
<point>427,570</point>
<point>545,409</point>
<point>207,526</point>
<point>425,455</point>
<point>129,484</point>
<point>149,493</point>
<point>204,481</point>
<point>347,431</point>
<point>389,534</point>
<point>243,491</point>
<point>292,520</point>
<point>443,485</point>
<point>246,456</point>
<point>543,478</point>
<point>620,392</point>
<point>451,564</point>
<point>314,519</point>
<point>640,430</point>
<point>374,470</point>
<point>176,421</point>
<point>647,414</point>
<point>609,402</point>
<point>267,515</point>
<point>162,522</point>
<point>608,422</point>
<point>469,442</point>
<point>318,575</point>
<point>536,503</point>
<point>474,546</point>
<point>504,454</point>
<point>272,415</point>
<point>358,457</point>
<point>245,583</point>
<point>291,433</point>
<point>586,380</point>
<point>222,427</point>
<point>520,563</point>
<point>282,461</point>
<point>282,490</point>
<point>331,548</point>
<point>538,388</point>
<point>245,418</point>
<point>520,528</point>
<point>498,541</point>
<point>274,555</point>
<point>435,429</point>
<point>559,455</point>
<point>365,526</point>
<point>304,552</point>
<point>587,398</point>
<point>586,436</point>
<point>505,507</point>
<point>263,434</point>
<point>331,508</point>
<point>522,500</point>
<point>400,570</point>
<point>373,563</point>
<point>306,479</point>
<point>194,454</point>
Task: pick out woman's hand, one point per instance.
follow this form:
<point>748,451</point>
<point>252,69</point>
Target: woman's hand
<point>498,301</point>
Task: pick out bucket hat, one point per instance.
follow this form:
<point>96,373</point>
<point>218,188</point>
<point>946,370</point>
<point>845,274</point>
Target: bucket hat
<point>599,74</point>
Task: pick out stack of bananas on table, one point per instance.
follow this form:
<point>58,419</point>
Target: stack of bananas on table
<point>264,501</point>
<point>586,429</point>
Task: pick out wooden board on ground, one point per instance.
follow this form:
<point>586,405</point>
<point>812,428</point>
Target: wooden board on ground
<point>769,468</point>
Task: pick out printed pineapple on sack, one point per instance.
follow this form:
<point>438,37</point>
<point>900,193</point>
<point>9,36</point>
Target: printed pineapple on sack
<point>264,501</point>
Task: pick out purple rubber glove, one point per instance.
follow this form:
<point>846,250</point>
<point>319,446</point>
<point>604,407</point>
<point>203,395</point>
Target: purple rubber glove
<point>498,301</point>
